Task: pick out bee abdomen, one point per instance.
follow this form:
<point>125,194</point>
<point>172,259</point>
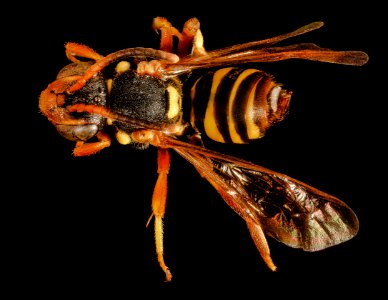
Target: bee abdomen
<point>233,105</point>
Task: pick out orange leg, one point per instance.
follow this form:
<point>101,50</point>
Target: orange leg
<point>167,32</point>
<point>152,67</point>
<point>74,49</point>
<point>159,198</point>
<point>190,29</point>
<point>205,169</point>
<point>261,243</point>
<point>84,149</point>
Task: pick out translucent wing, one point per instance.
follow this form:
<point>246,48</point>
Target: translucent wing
<point>264,51</point>
<point>307,51</point>
<point>288,210</point>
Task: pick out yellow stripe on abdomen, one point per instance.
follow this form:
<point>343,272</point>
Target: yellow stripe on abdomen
<point>236,138</point>
<point>210,119</point>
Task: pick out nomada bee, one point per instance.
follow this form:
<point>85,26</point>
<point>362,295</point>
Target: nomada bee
<point>151,97</point>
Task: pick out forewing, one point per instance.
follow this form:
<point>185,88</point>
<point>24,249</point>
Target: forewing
<point>246,53</point>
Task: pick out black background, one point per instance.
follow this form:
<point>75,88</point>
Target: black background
<point>77,225</point>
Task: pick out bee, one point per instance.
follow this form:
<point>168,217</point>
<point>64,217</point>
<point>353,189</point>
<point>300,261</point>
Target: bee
<point>146,96</point>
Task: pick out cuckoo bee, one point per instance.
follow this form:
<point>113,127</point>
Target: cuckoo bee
<point>153,97</point>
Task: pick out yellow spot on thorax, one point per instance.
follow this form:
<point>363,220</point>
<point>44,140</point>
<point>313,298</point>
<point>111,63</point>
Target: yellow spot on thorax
<point>123,137</point>
<point>122,67</point>
<point>174,102</point>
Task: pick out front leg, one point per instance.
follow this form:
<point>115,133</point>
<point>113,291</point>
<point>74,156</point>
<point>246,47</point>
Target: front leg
<point>84,149</point>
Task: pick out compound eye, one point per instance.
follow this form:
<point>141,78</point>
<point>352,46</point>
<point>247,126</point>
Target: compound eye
<point>74,69</point>
<point>77,132</point>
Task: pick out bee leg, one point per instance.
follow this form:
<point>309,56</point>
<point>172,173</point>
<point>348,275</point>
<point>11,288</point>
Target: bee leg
<point>167,32</point>
<point>191,40</point>
<point>159,198</point>
<point>151,68</point>
<point>74,49</point>
<point>84,149</point>
<point>261,243</point>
